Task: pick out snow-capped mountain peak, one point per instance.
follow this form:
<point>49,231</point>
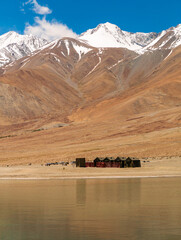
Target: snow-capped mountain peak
<point>14,46</point>
<point>167,39</point>
<point>110,35</point>
<point>9,38</point>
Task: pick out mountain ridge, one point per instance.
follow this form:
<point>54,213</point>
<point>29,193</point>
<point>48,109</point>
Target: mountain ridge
<point>14,46</point>
<point>110,35</point>
<point>68,99</point>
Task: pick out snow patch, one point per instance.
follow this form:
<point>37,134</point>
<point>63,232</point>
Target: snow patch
<point>67,47</point>
<point>63,54</point>
<point>81,50</point>
<point>56,57</point>
<point>168,55</point>
<point>25,63</point>
<point>114,65</point>
<point>54,44</point>
<point>99,61</point>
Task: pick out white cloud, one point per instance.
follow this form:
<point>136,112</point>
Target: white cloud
<point>49,30</point>
<point>37,8</point>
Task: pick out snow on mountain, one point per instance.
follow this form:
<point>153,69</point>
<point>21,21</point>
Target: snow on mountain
<point>177,31</point>
<point>14,46</point>
<point>81,50</point>
<point>69,45</point>
<point>167,39</point>
<point>110,35</point>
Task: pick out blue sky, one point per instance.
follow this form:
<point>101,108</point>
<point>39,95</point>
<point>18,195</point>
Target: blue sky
<point>132,15</point>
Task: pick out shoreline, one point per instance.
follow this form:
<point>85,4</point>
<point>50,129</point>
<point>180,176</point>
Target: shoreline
<point>154,168</point>
<point>93,177</point>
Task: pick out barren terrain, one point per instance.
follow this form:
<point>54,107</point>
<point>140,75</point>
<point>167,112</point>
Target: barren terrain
<point>106,103</point>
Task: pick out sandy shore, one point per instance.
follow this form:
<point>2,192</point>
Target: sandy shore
<point>151,167</point>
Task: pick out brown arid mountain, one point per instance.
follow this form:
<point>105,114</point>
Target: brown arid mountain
<point>70,99</point>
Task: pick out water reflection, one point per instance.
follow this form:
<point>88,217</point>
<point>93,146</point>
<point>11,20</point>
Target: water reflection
<point>81,192</point>
<point>91,209</point>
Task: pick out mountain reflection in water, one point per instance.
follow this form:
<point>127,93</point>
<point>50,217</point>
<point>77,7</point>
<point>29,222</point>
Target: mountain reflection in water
<point>98,209</point>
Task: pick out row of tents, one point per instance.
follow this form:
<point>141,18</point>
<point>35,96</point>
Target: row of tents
<point>119,162</point>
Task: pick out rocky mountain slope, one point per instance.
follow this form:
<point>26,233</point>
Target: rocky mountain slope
<point>101,94</point>
<point>69,75</point>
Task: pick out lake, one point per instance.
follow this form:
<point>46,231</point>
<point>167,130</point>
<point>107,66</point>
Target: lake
<point>91,209</point>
